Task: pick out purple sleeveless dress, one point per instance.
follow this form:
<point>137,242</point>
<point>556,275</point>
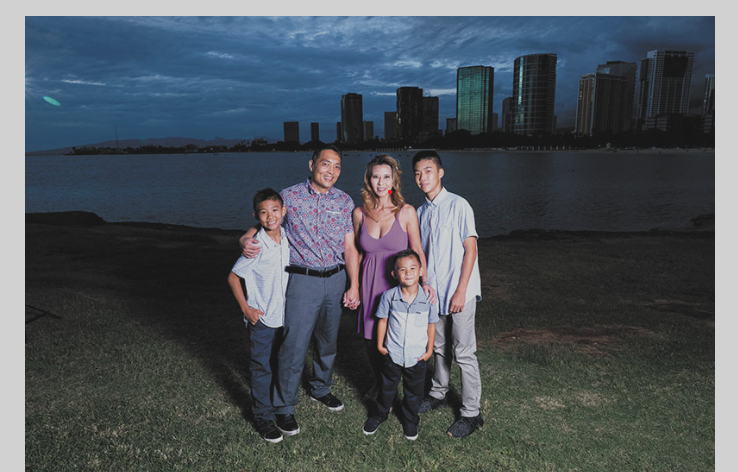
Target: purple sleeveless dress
<point>376,274</point>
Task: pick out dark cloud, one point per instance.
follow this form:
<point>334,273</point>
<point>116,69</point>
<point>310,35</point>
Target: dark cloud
<point>243,76</point>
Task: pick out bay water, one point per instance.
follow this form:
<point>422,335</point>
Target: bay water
<point>557,190</point>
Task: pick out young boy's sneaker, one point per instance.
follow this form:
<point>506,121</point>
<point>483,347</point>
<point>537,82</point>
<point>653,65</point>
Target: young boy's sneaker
<point>432,403</point>
<point>333,403</point>
<point>268,431</point>
<point>372,425</point>
<point>411,431</point>
<point>287,424</point>
<point>465,426</point>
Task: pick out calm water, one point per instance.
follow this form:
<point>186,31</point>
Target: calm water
<point>508,191</point>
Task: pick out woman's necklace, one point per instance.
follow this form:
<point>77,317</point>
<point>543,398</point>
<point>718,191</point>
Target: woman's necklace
<point>376,211</point>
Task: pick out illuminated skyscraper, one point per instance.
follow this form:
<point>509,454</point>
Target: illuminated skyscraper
<point>534,94</point>
<point>352,118</point>
<point>664,85</point>
<point>474,90</point>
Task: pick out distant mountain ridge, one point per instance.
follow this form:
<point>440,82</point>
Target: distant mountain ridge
<point>164,142</point>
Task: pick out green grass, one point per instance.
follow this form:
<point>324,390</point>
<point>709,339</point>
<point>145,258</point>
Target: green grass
<point>136,359</point>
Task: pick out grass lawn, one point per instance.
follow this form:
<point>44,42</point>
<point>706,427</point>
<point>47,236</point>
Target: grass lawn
<point>597,353</point>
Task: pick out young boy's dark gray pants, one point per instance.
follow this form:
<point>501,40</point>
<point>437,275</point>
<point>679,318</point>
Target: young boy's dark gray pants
<point>413,381</point>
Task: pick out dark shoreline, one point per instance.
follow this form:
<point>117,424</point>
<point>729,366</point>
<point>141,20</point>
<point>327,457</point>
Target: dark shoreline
<point>702,225</point>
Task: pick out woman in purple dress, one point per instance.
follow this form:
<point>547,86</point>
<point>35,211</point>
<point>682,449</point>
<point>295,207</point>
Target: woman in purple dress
<point>384,225</point>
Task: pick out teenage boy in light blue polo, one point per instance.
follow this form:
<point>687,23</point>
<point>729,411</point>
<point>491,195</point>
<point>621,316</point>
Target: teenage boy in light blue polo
<point>265,282</point>
<point>449,239</point>
<point>406,329</point>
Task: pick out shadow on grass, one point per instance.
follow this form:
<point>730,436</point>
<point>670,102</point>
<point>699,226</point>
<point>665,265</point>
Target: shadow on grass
<point>176,280</point>
<point>33,313</point>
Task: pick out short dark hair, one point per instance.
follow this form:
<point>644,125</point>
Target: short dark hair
<point>428,154</point>
<point>316,153</point>
<point>266,194</point>
<point>405,253</point>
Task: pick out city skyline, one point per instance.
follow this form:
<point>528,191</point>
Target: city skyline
<point>243,77</point>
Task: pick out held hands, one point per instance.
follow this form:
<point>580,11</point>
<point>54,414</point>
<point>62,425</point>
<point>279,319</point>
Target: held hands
<point>252,314</point>
<point>351,298</point>
<point>250,247</point>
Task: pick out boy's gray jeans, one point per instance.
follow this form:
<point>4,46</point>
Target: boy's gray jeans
<point>456,337</point>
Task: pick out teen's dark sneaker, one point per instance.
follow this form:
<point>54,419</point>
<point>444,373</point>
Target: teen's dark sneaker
<point>432,403</point>
<point>287,424</point>
<point>411,431</point>
<point>465,426</point>
<point>333,403</point>
<point>372,425</point>
<point>268,431</point>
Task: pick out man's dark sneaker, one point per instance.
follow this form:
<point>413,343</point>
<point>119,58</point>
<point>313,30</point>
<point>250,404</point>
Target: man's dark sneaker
<point>465,426</point>
<point>268,431</point>
<point>287,424</point>
<point>333,403</point>
<point>432,403</point>
<point>372,425</point>
<point>410,430</point>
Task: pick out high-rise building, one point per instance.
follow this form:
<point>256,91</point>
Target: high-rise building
<point>664,85</point>
<point>339,132</point>
<point>534,94</point>
<point>430,115</point>
<point>474,91</point>
<point>450,125</point>
<point>627,70</point>
<point>314,132</point>
<point>352,118</point>
<point>390,125</point>
<point>409,112</point>
<point>507,115</point>
<point>494,122</point>
<point>291,132</point>
<point>368,130</point>
<point>601,108</point>
<point>708,104</point>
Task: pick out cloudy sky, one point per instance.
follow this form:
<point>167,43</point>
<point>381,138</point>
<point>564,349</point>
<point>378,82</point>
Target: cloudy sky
<point>242,77</point>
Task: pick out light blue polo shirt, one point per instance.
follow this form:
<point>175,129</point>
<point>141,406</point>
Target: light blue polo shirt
<point>445,223</point>
<point>265,278</point>
<point>407,326</point>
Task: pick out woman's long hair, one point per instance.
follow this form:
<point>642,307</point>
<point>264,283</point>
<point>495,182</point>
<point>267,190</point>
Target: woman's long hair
<point>370,199</point>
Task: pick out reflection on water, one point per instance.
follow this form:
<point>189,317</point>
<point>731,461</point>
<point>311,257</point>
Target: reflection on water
<point>508,191</point>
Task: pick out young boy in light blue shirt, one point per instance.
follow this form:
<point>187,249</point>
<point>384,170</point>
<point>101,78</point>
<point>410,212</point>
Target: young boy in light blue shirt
<point>262,303</point>
<point>405,333</point>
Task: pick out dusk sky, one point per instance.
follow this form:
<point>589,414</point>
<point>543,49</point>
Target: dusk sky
<point>242,77</point>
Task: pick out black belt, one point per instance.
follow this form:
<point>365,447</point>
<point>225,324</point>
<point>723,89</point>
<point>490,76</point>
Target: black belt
<point>314,272</point>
